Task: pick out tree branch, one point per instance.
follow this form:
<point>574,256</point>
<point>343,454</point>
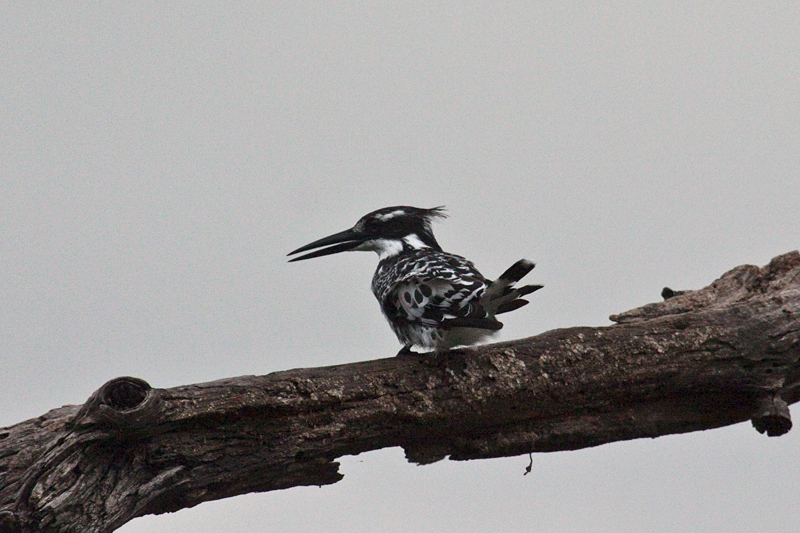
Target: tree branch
<point>698,360</point>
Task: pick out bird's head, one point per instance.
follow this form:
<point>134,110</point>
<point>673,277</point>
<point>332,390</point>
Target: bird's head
<point>387,231</point>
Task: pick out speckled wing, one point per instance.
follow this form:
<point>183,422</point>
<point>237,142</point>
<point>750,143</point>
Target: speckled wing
<point>442,293</point>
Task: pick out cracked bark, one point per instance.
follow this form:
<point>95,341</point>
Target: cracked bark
<point>698,360</point>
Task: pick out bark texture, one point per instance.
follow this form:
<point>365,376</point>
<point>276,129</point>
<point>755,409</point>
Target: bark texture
<point>701,359</point>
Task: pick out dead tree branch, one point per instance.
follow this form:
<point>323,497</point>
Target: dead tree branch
<point>698,360</point>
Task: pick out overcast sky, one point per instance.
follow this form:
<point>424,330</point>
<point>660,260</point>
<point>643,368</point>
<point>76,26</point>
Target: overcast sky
<point>159,162</point>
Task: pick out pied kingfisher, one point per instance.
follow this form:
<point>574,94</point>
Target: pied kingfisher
<point>431,298</point>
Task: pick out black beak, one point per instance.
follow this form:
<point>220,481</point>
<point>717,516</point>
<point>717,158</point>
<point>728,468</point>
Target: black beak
<point>343,241</point>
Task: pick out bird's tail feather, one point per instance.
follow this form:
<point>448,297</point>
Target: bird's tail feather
<point>501,296</point>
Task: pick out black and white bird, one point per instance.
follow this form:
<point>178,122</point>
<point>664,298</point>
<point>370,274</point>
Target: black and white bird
<point>431,298</point>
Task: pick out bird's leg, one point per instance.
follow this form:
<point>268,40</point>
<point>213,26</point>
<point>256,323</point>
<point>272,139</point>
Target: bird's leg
<point>437,357</point>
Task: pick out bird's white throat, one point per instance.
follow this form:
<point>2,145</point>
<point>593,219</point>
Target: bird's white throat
<point>386,248</point>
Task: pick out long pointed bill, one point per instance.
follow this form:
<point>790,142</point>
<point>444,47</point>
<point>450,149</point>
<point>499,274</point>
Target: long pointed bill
<point>342,241</point>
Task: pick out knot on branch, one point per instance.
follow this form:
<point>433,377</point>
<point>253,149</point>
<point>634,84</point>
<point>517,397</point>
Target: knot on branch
<point>737,285</point>
<point>668,293</point>
<point>117,411</point>
<point>773,417</point>
<point>124,403</point>
<point>9,523</point>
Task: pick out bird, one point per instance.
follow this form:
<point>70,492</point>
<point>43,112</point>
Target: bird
<point>432,299</point>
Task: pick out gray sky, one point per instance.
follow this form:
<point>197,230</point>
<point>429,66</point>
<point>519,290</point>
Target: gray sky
<point>159,162</point>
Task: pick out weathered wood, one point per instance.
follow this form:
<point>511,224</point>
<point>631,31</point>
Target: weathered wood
<point>698,360</point>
